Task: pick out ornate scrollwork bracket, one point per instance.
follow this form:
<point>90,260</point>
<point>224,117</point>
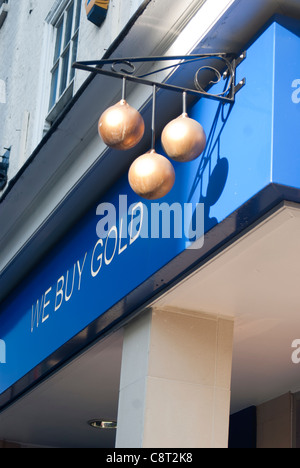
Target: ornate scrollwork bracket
<point>222,65</point>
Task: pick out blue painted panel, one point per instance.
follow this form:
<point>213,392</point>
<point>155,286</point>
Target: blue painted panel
<point>235,167</point>
<point>286,157</point>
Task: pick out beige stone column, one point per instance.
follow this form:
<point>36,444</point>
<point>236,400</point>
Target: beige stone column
<point>175,381</point>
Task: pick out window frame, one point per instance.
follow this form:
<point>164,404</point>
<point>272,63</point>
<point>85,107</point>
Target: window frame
<point>62,54</point>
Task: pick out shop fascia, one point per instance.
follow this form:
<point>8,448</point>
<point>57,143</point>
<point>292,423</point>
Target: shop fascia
<point>117,229</point>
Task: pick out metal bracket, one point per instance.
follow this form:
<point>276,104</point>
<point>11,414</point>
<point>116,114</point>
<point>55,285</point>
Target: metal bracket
<point>127,70</point>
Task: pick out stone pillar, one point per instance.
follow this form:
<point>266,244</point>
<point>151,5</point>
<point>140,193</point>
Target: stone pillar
<point>175,381</point>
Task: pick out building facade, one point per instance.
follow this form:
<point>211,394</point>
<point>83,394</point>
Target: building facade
<point>183,334</point>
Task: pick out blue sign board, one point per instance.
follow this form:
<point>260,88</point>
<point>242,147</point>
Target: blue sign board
<point>83,277</point>
<point>249,145</point>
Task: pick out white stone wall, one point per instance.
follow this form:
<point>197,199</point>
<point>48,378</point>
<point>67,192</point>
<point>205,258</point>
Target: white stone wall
<point>25,58</point>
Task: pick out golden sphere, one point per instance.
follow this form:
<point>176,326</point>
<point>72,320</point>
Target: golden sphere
<point>121,126</point>
<point>151,176</point>
<point>183,139</point>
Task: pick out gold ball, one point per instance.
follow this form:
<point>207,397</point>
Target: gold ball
<point>151,176</point>
<point>121,126</point>
<point>183,139</point>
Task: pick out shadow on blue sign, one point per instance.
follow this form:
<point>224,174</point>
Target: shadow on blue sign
<point>218,174</point>
<point>2,352</point>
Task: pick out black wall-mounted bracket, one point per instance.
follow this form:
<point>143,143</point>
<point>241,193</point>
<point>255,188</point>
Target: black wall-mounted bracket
<point>125,68</point>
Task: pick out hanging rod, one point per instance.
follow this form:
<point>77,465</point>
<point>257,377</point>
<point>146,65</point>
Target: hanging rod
<point>128,70</point>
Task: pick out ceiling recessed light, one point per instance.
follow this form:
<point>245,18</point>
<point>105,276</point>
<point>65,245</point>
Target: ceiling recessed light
<point>102,424</point>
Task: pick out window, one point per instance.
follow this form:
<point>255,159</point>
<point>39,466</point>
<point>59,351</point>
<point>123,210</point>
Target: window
<point>66,28</point>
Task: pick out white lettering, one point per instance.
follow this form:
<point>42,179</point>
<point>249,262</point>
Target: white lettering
<point>105,249</point>
<point>108,261</point>
<point>68,297</point>
<point>296,353</point>
<point>2,92</point>
<point>80,270</point>
<point>296,93</point>
<point>138,221</point>
<point>117,458</point>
